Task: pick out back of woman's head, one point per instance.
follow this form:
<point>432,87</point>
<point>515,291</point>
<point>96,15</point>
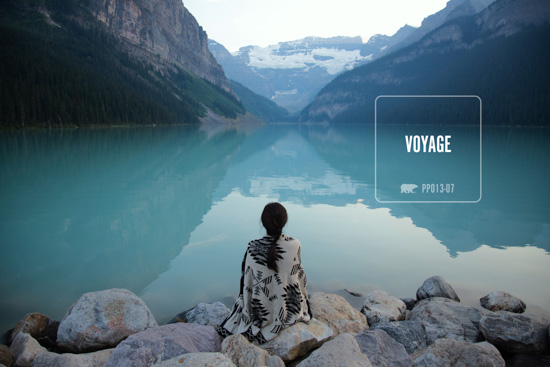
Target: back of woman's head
<point>274,218</point>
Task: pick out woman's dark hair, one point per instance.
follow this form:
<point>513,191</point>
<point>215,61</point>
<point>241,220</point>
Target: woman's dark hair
<point>274,218</point>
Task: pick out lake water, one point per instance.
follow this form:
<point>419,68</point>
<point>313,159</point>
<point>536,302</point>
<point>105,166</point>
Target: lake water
<point>167,212</point>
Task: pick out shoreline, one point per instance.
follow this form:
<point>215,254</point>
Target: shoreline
<point>438,320</point>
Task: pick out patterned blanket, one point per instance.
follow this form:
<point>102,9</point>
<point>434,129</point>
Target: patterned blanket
<point>268,301</point>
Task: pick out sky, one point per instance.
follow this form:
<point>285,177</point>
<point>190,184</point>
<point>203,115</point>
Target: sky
<point>238,23</point>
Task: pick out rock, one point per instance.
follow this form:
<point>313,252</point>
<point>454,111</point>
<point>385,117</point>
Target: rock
<point>445,318</point>
<point>244,354</point>
<point>448,353</point>
<point>49,359</point>
<point>204,314</point>
<point>502,301</point>
<point>197,360</point>
<point>6,357</point>
<point>410,334</point>
<point>382,349</point>
<point>342,351</point>
<point>436,287</point>
<point>381,306</point>
<point>161,343</point>
<point>337,313</point>
<point>40,327</point>
<point>355,294</point>
<point>409,302</point>
<point>298,340</point>
<point>528,360</point>
<point>24,349</point>
<point>515,333</point>
<point>100,320</point>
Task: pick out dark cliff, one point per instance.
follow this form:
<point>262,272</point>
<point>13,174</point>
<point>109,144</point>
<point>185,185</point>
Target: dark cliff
<point>162,28</point>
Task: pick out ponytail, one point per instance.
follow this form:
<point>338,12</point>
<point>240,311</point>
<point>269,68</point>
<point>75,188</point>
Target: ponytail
<point>274,218</point>
<point>272,254</point>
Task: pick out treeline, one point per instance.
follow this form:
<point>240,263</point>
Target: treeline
<point>258,105</point>
<point>78,74</point>
<point>510,74</point>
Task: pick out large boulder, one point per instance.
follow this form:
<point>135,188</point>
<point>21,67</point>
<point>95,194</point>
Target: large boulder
<point>410,334</point>
<point>436,286</point>
<point>380,306</point>
<point>94,359</point>
<point>244,354</point>
<point>40,327</point>
<point>298,340</point>
<point>382,349</point>
<point>337,313</point>
<point>445,318</point>
<point>450,353</point>
<point>197,360</point>
<point>161,343</point>
<point>515,333</point>
<point>6,356</point>
<point>342,351</point>
<point>24,349</point>
<point>211,314</point>
<point>502,301</point>
<point>101,320</point>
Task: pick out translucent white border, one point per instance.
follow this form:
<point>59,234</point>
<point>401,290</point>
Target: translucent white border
<point>429,201</point>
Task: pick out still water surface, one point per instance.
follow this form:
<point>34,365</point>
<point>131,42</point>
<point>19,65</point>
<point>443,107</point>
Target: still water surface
<point>167,213</point>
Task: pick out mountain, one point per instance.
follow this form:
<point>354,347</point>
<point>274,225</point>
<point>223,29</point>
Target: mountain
<point>292,73</point>
<point>161,29</point>
<point>500,54</point>
<point>453,9</point>
<point>107,62</point>
<point>259,106</point>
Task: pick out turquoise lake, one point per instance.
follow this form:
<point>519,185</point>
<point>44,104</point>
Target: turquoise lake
<point>167,213</point>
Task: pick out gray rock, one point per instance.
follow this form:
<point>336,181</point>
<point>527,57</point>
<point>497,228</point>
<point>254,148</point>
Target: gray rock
<point>100,320</point>
<point>298,340</point>
<point>94,359</point>
<point>161,343</point>
<point>337,313</point>
<point>450,353</point>
<point>204,314</point>
<point>382,349</point>
<point>197,360</point>
<point>528,360</point>
<point>342,351</point>
<point>502,301</point>
<point>40,327</point>
<point>24,349</point>
<point>6,357</point>
<point>445,318</point>
<point>244,354</point>
<point>381,306</point>
<point>409,302</point>
<point>410,334</point>
<point>515,333</point>
<point>436,286</point>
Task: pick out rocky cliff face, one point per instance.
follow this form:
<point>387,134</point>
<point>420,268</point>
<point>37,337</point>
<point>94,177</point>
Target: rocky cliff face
<point>161,29</point>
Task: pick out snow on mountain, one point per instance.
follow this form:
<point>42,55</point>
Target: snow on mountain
<point>333,60</point>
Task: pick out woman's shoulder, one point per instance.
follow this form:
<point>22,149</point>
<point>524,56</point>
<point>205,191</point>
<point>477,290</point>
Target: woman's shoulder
<point>289,240</point>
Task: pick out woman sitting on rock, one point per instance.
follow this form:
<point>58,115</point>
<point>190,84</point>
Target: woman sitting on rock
<point>273,292</point>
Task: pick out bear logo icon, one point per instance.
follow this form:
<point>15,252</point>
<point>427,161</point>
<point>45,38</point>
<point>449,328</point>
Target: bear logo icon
<point>408,188</point>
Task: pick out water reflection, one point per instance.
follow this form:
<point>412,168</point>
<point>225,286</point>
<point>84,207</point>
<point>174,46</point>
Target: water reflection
<point>167,213</point>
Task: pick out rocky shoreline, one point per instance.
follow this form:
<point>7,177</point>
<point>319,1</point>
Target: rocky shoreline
<point>115,328</point>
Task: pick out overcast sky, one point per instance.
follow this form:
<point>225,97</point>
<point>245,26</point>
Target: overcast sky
<point>238,23</point>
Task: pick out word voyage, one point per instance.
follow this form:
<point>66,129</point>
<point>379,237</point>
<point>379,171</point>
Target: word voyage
<point>428,143</point>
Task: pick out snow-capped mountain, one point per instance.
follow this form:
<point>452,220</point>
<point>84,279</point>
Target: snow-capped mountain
<point>292,73</point>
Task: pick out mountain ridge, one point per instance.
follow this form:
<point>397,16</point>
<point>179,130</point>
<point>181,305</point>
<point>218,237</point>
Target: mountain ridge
<point>465,55</point>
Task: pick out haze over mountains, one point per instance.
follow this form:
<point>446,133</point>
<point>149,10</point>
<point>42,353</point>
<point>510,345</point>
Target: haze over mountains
<point>292,73</point>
